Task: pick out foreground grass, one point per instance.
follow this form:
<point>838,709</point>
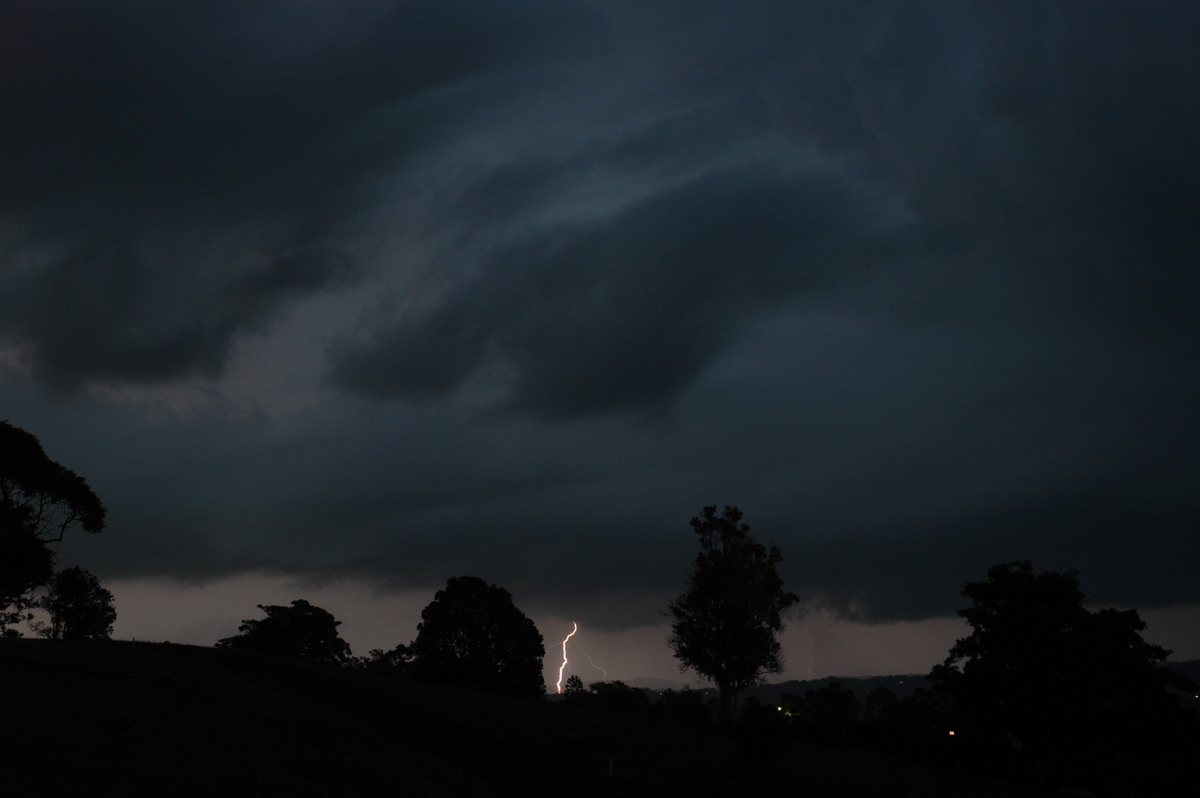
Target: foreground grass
<point>160,719</point>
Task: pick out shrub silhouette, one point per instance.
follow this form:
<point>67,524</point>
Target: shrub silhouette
<point>79,608</point>
<point>302,631</point>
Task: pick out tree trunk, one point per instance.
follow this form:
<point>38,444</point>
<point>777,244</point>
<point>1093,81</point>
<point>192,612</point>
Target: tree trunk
<point>727,703</point>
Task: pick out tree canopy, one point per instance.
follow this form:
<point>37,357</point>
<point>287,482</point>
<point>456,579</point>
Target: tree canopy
<point>472,635</point>
<point>1043,675</point>
<point>39,501</point>
<point>725,626</point>
<point>79,608</point>
<point>302,631</point>
<point>53,498</point>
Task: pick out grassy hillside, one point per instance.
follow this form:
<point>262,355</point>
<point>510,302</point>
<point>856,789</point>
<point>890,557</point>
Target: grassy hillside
<point>162,719</point>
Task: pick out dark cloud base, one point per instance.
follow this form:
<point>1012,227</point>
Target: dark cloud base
<point>624,314</point>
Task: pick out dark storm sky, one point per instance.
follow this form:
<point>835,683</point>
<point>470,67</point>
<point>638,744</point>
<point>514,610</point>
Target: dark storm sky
<point>407,290</point>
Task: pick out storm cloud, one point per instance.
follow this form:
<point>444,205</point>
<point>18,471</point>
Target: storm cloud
<point>398,291</point>
<point>174,176</point>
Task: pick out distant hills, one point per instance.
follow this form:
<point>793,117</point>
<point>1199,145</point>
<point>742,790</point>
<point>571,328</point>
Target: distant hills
<point>901,686</point>
<point>1189,668</point>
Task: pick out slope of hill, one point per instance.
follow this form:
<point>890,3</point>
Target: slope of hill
<point>1189,668</point>
<point>162,719</point>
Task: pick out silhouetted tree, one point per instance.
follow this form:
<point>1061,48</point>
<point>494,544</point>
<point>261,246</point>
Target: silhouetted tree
<point>829,715</point>
<point>879,702</point>
<point>575,694</point>
<point>471,635</point>
<point>879,717</point>
<point>687,705</point>
<point>918,726</point>
<point>302,630</point>
<point>1043,676</point>
<point>616,696</point>
<point>396,661</point>
<point>39,501</point>
<point>762,731</point>
<point>725,625</point>
<point>79,608</point>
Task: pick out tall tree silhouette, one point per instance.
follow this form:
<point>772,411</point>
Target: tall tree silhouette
<point>472,635</point>
<point>79,608</point>
<point>303,631</point>
<point>725,625</point>
<point>39,501</point>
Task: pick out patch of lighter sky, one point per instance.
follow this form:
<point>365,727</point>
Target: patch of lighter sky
<point>203,613</point>
<point>821,644</point>
<point>283,371</point>
<point>270,373</point>
<point>1175,628</point>
<point>16,357</point>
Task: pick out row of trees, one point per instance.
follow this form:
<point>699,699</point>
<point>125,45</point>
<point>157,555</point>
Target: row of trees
<point>471,636</point>
<point>39,501</point>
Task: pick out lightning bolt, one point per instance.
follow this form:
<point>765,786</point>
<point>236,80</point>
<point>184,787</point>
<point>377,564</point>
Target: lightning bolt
<point>563,667</point>
<point>603,672</point>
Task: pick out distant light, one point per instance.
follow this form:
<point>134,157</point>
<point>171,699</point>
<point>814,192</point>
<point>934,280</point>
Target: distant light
<point>952,732</point>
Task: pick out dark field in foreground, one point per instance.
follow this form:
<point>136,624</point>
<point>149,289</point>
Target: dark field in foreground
<point>162,719</point>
